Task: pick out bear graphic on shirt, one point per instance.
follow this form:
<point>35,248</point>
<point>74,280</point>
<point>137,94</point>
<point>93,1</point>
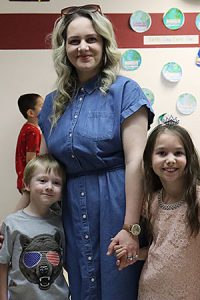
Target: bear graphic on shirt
<point>41,259</point>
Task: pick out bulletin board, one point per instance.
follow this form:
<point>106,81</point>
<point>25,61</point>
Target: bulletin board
<point>29,31</point>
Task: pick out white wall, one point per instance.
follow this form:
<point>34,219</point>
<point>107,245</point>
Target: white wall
<point>166,93</point>
<point>32,71</point>
<point>126,6</point>
<point>20,72</point>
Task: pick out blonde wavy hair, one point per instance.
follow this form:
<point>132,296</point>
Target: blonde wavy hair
<point>66,74</point>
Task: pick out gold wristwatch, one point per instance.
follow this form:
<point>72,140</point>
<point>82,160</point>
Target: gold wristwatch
<point>134,229</point>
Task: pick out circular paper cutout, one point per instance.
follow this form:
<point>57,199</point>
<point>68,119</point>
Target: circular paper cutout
<point>173,19</point>
<point>131,60</point>
<point>162,118</point>
<point>186,104</point>
<point>197,21</point>
<point>140,21</point>
<point>149,94</point>
<point>172,72</point>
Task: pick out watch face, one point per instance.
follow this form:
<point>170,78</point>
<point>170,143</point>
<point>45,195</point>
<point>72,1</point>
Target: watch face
<point>135,229</point>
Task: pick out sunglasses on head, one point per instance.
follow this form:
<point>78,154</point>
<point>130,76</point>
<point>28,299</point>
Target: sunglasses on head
<point>73,9</point>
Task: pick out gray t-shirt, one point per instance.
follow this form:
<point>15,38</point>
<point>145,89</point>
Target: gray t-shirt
<point>33,247</point>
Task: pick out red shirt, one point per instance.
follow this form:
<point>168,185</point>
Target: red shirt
<point>29,140</point>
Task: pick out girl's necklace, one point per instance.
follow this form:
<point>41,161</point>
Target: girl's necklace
<point>168,206</point>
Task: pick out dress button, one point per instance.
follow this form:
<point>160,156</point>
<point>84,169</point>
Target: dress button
<point>82,89</point>
<point>80,98</point>
<point>73,156</point>
<point>75,116</point>
<point>89,258</point>
<point>82,194</point>
<point>86,236</point>
<point>70,134</point>
<point>92,279</point>
<point>84,216</point>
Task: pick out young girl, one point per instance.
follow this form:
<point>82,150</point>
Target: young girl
<point>172,173</point>
<point>32,252</point>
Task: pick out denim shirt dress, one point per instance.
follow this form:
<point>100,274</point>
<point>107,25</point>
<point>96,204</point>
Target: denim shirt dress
<point>87,140</point>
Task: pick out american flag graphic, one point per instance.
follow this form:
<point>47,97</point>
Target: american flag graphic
<point>53,257</point>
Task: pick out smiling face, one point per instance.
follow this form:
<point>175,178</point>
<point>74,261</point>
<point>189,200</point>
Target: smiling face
<point>45,188</point>
<point>169,158</point>
<point>84,48</point>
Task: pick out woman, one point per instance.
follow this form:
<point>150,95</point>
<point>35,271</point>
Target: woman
<point>96,125</point>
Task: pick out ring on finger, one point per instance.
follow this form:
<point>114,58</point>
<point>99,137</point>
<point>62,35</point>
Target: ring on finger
<point>130,257</point>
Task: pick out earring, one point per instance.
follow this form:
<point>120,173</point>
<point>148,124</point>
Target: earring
<point>105,60</point>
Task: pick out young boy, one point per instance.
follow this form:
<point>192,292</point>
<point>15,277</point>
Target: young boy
<point>29,139</point>
<point>31,258</point>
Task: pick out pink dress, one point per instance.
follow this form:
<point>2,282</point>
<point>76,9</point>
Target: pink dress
<point>172,269</point>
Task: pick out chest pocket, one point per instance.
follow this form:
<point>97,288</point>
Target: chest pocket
<point>98,125</point>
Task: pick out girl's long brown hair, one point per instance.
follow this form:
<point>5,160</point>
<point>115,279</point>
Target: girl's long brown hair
<point>192,173</point>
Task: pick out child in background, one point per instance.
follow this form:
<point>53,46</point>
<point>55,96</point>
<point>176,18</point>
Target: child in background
<point>32,253</point>
<point>29,139</point>
<point>172,174</point>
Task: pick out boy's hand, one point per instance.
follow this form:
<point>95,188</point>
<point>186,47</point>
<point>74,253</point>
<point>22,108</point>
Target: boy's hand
<point>121,255</point>
<point>125,240</point>
<point>120,251</point>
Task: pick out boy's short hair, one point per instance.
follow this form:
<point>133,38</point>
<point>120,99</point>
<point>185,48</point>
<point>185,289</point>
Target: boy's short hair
<point>26,102</point>
<point>46,161</point>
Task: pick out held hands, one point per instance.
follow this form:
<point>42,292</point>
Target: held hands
<point>125,247</point>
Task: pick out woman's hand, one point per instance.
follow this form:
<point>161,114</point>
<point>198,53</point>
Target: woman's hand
<point>129,246</point>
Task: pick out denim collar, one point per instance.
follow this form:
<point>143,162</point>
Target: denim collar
<point>91,85</point>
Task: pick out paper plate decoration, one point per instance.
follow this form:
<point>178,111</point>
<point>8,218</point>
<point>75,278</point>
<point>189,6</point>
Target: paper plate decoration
<point>131,60</point>
<point>172,72</point>
<point>186,104</point>
<point>198,59</point>
<point>140,21</point>
<point>173,19</point>
<point>197,21</point>
<point>149,94</point>
<point>162,118</point>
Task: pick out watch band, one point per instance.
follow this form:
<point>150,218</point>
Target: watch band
<point>133,229</point>
<point>126,227</point>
